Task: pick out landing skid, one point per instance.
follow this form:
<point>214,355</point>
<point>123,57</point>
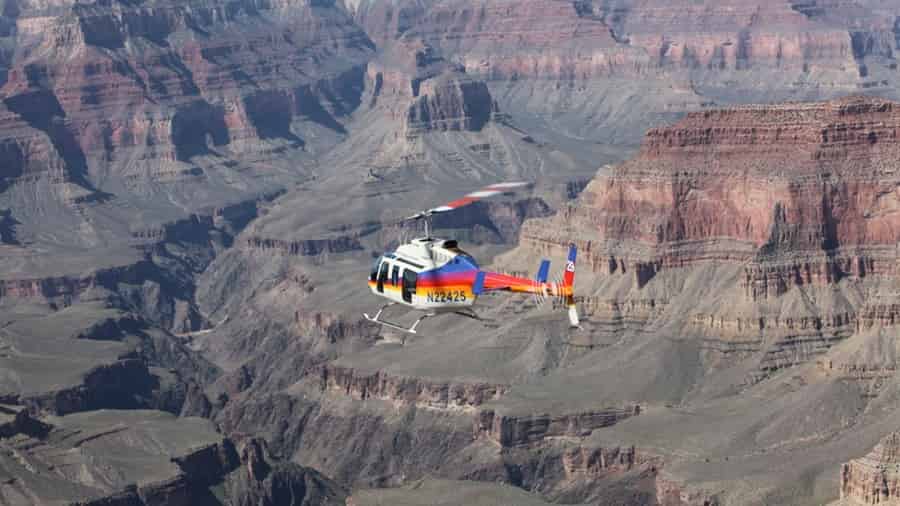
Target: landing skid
<point>468,313</point>
<point>377,319</point>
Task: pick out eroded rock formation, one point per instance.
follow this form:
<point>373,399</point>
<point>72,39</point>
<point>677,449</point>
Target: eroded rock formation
<point>797,195</point>
<point>425,92</point>
<point>874,479</point>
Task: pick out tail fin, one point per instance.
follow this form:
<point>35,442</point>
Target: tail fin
<point>569,284</point>
<point>569,276</point>
<point>478,285</point>
<point>543,271</point>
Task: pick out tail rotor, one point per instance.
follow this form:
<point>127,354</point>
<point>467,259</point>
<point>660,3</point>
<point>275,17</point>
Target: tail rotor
<point>559,289</point>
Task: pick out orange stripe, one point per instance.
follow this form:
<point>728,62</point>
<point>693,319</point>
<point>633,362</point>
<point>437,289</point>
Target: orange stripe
<point>461,202</point>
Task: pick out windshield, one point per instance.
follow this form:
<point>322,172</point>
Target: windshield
<point>373,276</point>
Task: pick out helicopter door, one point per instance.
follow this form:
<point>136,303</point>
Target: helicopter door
<point>382,276</point>
<point>409,284</point>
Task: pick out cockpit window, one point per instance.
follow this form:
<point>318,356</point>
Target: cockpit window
<point>382,276</point>
<point>457,250</point>
<point>373,276</point>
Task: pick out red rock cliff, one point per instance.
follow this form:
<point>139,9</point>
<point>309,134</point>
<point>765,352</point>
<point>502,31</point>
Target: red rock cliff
<point>750,183</point>
<point>874,479</point>
<point>425,92</point>
<point>731,224</point>
<point>99,87</point>
<point>550,39</point>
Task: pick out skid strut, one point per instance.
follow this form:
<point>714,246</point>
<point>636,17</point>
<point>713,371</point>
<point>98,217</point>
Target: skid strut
<point>377,319</point>
<point>468,313</point>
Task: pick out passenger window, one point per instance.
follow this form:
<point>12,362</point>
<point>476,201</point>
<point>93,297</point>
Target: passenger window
<point>395,275</point>
<point>373,276</point>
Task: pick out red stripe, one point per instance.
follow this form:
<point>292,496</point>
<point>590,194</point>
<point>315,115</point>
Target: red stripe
<point>496,280</point>
<point>461,202</point>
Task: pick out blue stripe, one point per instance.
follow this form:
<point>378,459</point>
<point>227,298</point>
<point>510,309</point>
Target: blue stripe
<point>543,271</point>
<point>458,264</point>
<point>478,286</point>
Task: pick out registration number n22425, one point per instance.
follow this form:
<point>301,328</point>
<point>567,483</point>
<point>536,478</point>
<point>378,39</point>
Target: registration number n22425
<point>446,297</point>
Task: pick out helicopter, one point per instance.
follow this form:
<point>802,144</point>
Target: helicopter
<point>434,276</point>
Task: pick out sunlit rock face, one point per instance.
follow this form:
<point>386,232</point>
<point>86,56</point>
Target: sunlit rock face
<point>136,91</point>
<point>873,479</point>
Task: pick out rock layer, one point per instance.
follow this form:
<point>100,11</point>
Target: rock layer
<point>797,195</point>
<point>874,479</point>
<point>753,245</point>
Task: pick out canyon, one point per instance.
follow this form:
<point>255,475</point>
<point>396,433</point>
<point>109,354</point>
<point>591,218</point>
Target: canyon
<point>191,193</point>
<point>737,278</point>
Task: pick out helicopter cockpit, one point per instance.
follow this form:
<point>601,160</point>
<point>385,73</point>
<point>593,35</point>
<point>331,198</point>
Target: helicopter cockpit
<point>391,274</point>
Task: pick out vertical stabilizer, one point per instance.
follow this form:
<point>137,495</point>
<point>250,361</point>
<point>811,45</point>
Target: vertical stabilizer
<point>543,271</point>
<point>478,285</point>
<point>569,284</point>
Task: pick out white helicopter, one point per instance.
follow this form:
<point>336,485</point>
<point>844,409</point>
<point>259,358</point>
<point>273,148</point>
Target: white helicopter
<point>435,276</point>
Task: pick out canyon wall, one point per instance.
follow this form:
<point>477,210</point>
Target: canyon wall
<point>764,240</point>
<point>213,87</point>
<point>797,194</point>
<point>605,71</point>
<point>873,479</point>
<point>541,39</point>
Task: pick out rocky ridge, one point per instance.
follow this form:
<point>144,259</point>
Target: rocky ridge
<point>873,479</point>
<point>69,460</point>
<point>818,211</point>
<point>124,104</point>
<point>572,67</point>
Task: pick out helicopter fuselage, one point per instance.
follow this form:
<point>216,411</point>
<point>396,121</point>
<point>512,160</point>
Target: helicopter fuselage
<point>435,276</point>
<point>427,274</point>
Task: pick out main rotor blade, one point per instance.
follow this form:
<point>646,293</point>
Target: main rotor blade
<point>486,192</point>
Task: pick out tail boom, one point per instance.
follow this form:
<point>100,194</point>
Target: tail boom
<point>493,281</point>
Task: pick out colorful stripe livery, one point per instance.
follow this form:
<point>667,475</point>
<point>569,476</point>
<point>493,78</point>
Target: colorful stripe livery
<point>450,284</point>
<point>461,276</point>
<point>453,284</point>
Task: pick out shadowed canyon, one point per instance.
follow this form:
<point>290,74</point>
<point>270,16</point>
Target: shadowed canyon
<point>192,193</point>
